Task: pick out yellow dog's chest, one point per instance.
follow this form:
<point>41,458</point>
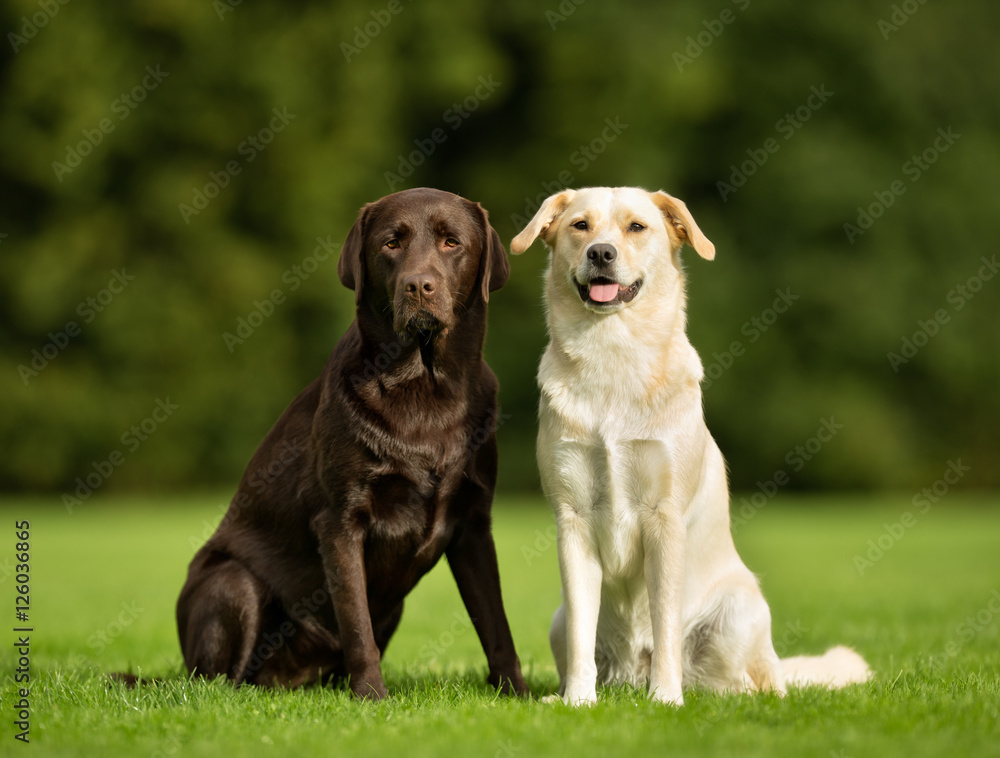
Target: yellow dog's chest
<point>615,488</point>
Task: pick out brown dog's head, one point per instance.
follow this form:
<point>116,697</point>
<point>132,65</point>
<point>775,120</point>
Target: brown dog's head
<point>420,256</point>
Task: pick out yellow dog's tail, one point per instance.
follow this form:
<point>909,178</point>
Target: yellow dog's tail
<point>837,667</point>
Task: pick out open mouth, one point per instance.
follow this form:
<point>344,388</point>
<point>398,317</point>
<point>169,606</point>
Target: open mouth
<point>603,291</point>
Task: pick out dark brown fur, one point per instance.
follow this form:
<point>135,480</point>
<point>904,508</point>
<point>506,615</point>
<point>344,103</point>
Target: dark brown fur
<point>372,473</point>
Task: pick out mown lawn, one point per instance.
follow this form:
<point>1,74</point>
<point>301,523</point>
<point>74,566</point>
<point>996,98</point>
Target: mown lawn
<point>926,615</point>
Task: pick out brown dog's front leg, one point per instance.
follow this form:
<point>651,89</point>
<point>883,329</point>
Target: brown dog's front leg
<point>473,560</point>
<point>343,562</point>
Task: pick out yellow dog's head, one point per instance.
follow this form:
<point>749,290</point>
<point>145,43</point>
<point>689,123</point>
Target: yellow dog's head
<point>612,246</point>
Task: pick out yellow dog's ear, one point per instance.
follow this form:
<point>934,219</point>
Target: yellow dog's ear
<point>540,225</point>
<point>680,218</point>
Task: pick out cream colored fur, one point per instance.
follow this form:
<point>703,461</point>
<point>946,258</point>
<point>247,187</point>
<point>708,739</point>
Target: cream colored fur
<point>653,589</point>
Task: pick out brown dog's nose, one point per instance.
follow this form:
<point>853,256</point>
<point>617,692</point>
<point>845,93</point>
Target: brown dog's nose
<point>601,254</point>
<point>420,285</point>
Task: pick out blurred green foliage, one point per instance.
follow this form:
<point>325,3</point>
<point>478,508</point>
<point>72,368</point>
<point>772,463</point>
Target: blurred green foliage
<point>115,116</point>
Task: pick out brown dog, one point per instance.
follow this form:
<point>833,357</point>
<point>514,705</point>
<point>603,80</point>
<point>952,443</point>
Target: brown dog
<point>372,473</point>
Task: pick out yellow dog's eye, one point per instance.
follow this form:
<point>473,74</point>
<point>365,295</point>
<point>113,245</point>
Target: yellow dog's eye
<point>451,242</point>
<point>581,225</point>
<point>635,227</point>
<point>392,244</point>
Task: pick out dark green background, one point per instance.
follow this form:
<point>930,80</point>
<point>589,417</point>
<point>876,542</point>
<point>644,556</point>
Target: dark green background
<point>558,74</point>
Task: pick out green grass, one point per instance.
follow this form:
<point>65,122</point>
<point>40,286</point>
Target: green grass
<point>94,571</point>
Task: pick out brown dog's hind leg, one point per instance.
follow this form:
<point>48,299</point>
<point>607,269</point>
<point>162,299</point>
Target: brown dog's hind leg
<point>219,616</point>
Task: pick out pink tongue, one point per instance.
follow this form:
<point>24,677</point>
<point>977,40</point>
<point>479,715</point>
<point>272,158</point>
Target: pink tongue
<point>603,293</point>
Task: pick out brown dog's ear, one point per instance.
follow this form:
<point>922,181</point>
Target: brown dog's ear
<point>351,267</point>
<point>680,218</point>
<point>494,268</point>
<point>540,225</point>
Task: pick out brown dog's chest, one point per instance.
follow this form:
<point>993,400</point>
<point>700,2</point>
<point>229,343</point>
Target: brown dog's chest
<point>408,529</point>
<point>401,510</point>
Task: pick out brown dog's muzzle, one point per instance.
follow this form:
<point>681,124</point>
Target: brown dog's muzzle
<point>421,304</point>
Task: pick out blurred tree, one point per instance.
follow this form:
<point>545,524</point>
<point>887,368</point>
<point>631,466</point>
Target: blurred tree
<point>178,177</point>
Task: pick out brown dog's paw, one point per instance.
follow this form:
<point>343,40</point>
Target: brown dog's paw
<point>510,685</point>
<point>369,689</point>
<point>131,680</point>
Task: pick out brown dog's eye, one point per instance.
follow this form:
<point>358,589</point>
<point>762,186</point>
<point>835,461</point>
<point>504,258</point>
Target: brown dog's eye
<point>635,227</point>
<point>581,225</point>
<point>451,242</point>
<point>392,244</point>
